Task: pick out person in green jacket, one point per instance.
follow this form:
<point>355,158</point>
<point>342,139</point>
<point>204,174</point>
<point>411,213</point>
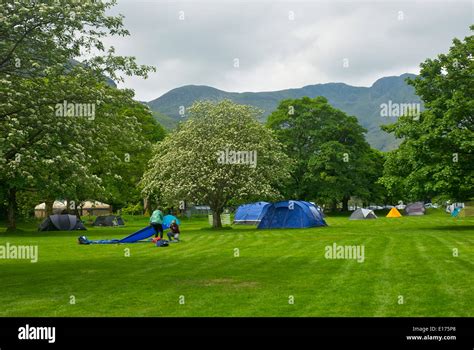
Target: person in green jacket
<point>156,220</point>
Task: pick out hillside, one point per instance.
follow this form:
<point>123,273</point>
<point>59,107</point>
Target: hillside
<point>362,102</point>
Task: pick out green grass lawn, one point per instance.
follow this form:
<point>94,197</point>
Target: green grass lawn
<point>410,257</point>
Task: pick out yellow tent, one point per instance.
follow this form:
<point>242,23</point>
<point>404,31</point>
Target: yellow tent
<point>394,213</point>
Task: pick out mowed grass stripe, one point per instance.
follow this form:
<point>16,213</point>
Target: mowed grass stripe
<point>410,256</point>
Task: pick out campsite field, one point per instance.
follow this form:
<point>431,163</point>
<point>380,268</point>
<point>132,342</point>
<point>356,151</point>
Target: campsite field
<point>410,257</point>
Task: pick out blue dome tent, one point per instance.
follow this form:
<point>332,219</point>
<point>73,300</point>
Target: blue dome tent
<point>167,221</point>
<point>250,213</point>
<point>291,214</point>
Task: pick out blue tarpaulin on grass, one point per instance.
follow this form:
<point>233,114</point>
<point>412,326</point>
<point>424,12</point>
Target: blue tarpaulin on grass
<point>135,237</point>
<point>139,235</point>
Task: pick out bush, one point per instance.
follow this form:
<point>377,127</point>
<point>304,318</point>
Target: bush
<point>26,202</point>
<point>133,209</point>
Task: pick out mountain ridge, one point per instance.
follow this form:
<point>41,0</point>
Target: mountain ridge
<point>359,101</point>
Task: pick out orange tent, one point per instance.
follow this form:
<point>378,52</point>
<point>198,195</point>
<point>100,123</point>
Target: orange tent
<point>394,213</point>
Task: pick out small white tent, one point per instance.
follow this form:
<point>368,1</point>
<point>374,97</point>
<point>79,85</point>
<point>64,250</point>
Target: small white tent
<point>95,208</point>
<point>58,207</point>
<point>362,214</point>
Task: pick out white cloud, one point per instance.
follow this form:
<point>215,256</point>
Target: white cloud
<point>278,53</point>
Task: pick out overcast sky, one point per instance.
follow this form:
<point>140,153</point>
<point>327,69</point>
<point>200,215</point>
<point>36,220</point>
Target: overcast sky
<point>283,44</point>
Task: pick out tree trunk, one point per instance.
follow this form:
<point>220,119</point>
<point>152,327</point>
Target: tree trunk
<point>345,203</point>
<point>334,206</point>
<point>12,206</point>
<point>68,203</point>
<point>147,206</point>
<point>48,207</point>
<point>77,212</point>
<point>216,218</point>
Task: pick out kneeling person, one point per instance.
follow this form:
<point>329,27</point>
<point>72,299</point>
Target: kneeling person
<point>174,233</point>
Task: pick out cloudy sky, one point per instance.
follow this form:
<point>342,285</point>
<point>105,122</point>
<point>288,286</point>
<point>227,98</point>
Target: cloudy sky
<point>263,45</point>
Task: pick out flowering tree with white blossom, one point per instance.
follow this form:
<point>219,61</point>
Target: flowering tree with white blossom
<point>221,153</point>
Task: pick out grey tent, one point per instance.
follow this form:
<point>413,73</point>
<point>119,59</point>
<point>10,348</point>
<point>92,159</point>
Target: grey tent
<point>61,222</point>
<point>417,208</point>
<point>108,220</point>
<point>362,214</point>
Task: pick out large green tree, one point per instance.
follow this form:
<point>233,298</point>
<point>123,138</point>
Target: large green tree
<point>436,155</point>
<point>122,166</point>
<point>41,39</point>
<point>76,157</point>
<point>199,162</point>
<point>62,154</point>
<point>332,160</point>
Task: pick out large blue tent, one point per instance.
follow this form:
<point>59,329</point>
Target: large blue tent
<point>250,213</point>
<point>291,214</point>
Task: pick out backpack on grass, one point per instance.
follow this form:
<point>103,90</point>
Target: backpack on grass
<point>162,243</point>
<point>83,240</point>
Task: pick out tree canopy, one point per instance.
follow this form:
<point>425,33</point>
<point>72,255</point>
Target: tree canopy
<point>332,160</point>
<point>436,155</point>
<point>221,153</point>
<point>65,131</point>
